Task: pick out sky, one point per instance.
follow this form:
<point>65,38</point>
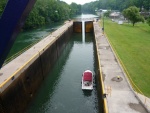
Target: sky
<point>78,1</point>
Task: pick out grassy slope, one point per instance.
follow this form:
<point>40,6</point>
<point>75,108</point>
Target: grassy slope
<point>133,47</point>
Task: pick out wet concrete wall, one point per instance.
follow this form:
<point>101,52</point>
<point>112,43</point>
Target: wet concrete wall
<point>22,86</point>
<point>17,95</point>
<point>26,73</point>
<point>77,26</point>
<point>88,26</point>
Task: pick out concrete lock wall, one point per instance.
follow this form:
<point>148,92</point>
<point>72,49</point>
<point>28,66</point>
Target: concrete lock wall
<point>77,26</point>
<point>18,90</point>
<point>88,26</point>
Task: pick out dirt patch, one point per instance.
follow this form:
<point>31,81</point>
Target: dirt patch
<point>1,74</point>
<point>137,107</point>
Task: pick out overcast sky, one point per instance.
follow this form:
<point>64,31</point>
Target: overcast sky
<point>78,1</point>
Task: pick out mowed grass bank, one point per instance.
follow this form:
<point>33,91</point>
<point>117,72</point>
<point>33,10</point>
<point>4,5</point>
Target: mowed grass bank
<point>132,45</point>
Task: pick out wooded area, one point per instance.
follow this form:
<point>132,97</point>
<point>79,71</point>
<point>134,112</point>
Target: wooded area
<point>47,11</point>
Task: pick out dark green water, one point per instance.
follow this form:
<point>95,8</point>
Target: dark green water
<point>61,91</point>
<point>29,37</point>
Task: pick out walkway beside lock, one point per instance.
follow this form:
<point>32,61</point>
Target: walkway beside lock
<point>119,94</point>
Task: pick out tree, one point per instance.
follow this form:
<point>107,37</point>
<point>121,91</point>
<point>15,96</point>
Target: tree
<point>48,11</point>
<point>2,6</point>
<point>132,13</point>
<point>148,21</point>
<point>76,8</point>
<point>107,13</point>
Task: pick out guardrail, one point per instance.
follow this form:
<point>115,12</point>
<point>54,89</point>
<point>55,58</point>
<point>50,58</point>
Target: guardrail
<point>23,50</point>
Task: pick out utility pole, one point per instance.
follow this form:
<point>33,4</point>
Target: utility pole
<point>149,11</point>
<point>103,23</point>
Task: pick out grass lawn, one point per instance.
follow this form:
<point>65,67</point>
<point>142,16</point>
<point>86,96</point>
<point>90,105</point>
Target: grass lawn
<point>132,44</point>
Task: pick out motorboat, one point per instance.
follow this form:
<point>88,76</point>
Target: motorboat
<point>87,80</point>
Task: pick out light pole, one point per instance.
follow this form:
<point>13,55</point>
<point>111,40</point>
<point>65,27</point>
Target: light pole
<point>142,11</point>
<point>103,23</point>
<point>149,11</point>
<point>69,14</point>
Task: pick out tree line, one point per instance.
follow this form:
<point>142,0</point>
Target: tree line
<point>130,8</point>
<point>116,5</point>
<point>47,11</point>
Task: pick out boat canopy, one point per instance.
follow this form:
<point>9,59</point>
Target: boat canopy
<point>87,76</point>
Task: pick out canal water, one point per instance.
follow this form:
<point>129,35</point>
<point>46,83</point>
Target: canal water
<point>61,91</point>
<point>29,37</point>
